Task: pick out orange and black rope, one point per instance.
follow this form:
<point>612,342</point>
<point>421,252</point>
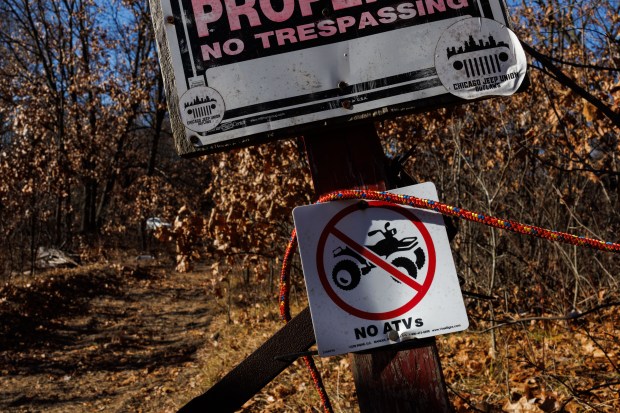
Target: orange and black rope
<point>472,216</point>
<point>285,314</point>
<point>428,204</point>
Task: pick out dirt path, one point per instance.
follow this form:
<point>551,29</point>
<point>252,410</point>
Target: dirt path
<point>104,338</point>
<point>101,339</point>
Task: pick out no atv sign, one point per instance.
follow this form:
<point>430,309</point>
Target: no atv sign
<point>377,273</point>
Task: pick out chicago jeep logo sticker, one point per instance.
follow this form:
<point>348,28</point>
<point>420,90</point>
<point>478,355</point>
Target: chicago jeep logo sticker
<point>478,57</point>
<point>202,108</point>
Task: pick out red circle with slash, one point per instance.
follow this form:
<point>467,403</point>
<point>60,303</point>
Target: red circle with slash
<point>420,288</point>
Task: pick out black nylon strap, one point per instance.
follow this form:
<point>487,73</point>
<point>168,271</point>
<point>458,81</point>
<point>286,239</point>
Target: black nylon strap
<point>256,371</point>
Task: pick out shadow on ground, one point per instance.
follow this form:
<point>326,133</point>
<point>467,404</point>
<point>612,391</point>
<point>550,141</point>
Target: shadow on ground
<point>101,320</point>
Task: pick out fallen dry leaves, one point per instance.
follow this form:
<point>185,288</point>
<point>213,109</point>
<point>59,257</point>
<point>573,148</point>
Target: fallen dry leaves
<point>538,365</point>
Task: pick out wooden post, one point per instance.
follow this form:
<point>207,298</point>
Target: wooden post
<point>406,377</point>
<point>386,380</point>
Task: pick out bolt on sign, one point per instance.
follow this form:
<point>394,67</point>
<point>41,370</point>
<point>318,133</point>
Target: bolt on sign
<point>378,273</point>
<point>239,72</point>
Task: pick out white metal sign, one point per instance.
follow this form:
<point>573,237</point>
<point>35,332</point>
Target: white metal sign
<point>267,68</point>
<point>377,273</point>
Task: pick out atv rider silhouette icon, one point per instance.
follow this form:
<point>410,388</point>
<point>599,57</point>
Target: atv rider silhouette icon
<point>347,273</point>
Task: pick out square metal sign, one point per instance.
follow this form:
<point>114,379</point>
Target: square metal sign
<point>239,72</point>
<point>378,274</point>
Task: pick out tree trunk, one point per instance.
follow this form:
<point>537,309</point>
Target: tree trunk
<point>89,207</point>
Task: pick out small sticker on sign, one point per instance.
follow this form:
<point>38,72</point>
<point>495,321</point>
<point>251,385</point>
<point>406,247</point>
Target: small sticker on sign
<point>202,108</point>
<point>479,57</point>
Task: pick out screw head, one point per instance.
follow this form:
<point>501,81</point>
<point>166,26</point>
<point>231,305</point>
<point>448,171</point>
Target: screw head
<point>342,85</point>
<point>170,19</point>
<point>326,12</point>
<point>393,335</point>
<point>346,104</point>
